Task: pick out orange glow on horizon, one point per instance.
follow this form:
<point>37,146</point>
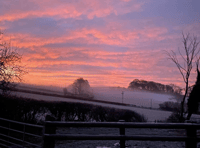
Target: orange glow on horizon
<point>107,42</point>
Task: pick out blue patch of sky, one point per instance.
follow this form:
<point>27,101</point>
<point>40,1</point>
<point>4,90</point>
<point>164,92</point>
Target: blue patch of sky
<point>46,26</point>
<point>174,11</point>
<point>83,22</point>
<point>136,21</point>
<point>95,69</point>
<point>109,48</point>
<point>84,68</point>
<point>81,56</point>
<point>166,13</point>
<point>89,23</point>
<point>8,6</point>
<point>42,27</point>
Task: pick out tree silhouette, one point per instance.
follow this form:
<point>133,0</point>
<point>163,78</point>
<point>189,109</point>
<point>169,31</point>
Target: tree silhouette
<point>154,87</point>
<point>80,86</point>
<point>185,66</point>
<point>10,69</point>
<point>194,97</point>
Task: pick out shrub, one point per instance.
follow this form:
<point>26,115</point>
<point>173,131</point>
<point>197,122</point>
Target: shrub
<point>34,111</point>
<point>170,106</point>
<point>175,117</point>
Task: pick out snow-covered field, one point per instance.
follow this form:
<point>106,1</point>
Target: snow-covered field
<point>151,115</point>
<point>115,95</point>
<point>138,98</point>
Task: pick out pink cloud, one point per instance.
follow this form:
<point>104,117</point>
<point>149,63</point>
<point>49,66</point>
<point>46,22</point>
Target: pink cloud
<point>117,50</point>
<point>91,36</point>
<point>60,9</point>
<point>110,78</point>
<point>137,60</point>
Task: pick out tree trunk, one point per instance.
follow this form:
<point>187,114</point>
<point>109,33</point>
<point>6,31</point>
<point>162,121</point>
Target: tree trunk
<point>183,102</point>
<point>189,115</point>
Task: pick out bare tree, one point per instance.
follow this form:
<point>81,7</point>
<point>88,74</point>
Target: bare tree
<point>185,66</point>
<point>10,69</point>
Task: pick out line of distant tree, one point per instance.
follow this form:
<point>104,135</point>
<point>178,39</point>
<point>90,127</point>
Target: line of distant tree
<point>154,87</point>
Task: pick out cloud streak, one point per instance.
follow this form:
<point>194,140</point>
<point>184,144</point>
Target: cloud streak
<point>108,42</point>
<point>66,9</point>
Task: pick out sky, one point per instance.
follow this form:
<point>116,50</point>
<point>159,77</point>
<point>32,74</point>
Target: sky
<point>107,42</point>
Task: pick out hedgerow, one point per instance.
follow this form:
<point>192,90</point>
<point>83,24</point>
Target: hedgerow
<point>34,111</point>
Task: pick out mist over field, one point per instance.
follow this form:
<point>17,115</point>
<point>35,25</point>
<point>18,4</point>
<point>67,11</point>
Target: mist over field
<point>109,94</point>
<point>112,94</point>
<point>138,98</point>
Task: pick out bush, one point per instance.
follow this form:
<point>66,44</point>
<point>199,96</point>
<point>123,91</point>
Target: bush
<point>20,109</point>
<point>34,111</point>
<point>171,106</point>
<point>175,117</point>
<point>175,107</point>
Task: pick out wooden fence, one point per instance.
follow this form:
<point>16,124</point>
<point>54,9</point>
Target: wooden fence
<point>49,135</point>
<point>190,139</point>
<point>16,134</point>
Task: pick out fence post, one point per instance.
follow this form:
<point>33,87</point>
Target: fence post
<point>191,133</point>
<point>122,132</point>
<point>48,129</point>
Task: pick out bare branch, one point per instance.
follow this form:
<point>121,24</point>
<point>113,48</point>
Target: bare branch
<point>190,45</point>
<point>10,69</point>
<point>181,55</point>
<point>175,60</point>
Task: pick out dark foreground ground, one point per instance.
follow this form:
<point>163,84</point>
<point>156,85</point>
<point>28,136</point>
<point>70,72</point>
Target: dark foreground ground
<point>114,143</point>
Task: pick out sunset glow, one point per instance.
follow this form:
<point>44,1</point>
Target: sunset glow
<point>107,42</point>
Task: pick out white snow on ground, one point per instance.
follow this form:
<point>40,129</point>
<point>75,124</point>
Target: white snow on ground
<point>138,98</point>
<point>151,115</point>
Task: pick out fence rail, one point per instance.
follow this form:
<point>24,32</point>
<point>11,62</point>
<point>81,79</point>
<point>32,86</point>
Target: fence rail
<point>190,139</point>
<point>49,135</point>
<point>9,139</point>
